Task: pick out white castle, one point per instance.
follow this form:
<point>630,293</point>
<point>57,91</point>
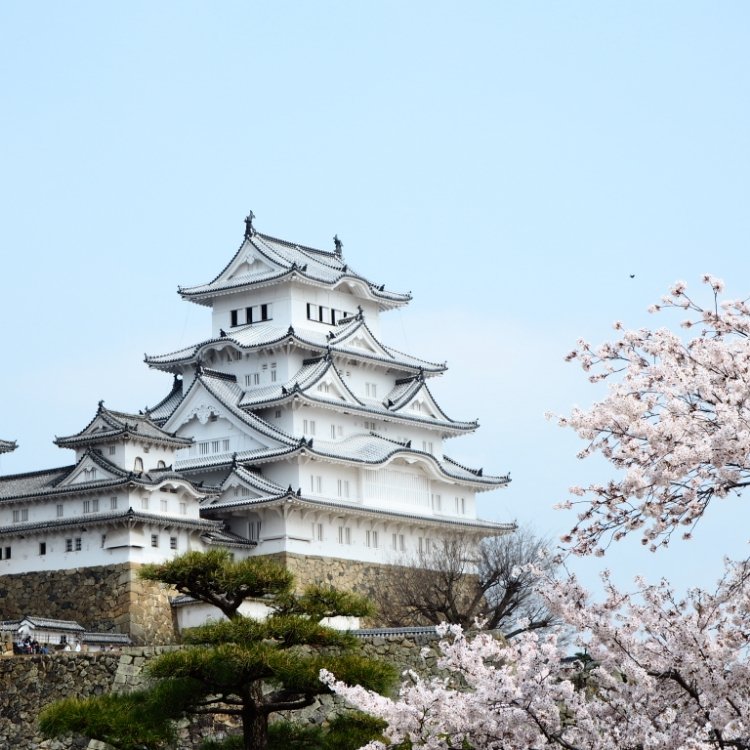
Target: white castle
<point>290,431</point>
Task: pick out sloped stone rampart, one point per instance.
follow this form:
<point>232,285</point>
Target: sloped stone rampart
<point>28,683</point>
<point>346,575</point>
<point>108,598</point>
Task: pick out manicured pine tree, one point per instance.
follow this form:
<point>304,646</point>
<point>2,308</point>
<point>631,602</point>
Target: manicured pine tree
<point>240,666</point>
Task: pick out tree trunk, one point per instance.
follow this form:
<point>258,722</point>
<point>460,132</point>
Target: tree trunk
<point>254,719</point>
<point>254,729</point>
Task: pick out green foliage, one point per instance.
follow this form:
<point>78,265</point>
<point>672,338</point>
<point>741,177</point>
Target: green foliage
<point>318,601</point>
<point>129,722</point>
<point>347,732</point>
<point>242,667</point>
<point>284,630</point>
<point>216,578</point>
<point>352,730</point>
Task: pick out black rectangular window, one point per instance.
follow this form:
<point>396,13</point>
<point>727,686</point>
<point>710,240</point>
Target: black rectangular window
<point>234,317</point>
<point>42,548</point>
<point>264,312</point>
<point>249,314</point>
<point>7,553</point>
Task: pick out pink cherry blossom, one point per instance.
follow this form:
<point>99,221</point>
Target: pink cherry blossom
<point>675,423</point>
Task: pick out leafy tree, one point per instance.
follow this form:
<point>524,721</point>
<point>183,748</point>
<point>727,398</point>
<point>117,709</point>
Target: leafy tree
<point>240,666</point>
<point>664,671</point>
<point>674,423</point>
<point>460,581</point>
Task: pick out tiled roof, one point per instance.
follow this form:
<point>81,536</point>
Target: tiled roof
<point>226,538</point>
<point>6,446</point>
<point>32,483</point>
<point>230,394</point>
<point>107,519</point>
<point>374,449</point>
<point>256,481</point>
<point>162,411</point>
<point>419,630</point>
<point>263,335</point>
<point>45,623</point>
<point>254,457</point>
<point>115,425</point>
<point>286,259</point>
<point>370,448</point>
<point>114,638</point>
<point>358,509</point>
<point>302,385</point>
<point>51,481</point>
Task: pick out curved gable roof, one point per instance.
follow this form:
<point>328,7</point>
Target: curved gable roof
<point>282,259</point>
<point>224,389</point>
<point>108,425</point>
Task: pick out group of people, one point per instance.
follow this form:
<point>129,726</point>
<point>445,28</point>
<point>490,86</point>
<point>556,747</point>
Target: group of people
<point>28,646</point>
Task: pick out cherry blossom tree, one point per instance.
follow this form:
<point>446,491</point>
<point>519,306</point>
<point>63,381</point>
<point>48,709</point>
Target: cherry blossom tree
<point>676,422</point>
<point>669,673</point>
<point>662,671</point>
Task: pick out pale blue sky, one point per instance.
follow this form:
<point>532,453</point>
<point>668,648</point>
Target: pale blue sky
<point>509,163</point>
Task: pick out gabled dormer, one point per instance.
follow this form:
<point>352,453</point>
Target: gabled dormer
<point>91,468</point>
<point>412,398</point>
<point>211,408</point>
<point>317,380</point>
<point>132,442</point>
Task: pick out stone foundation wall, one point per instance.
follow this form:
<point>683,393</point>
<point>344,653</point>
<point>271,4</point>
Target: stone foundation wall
<point>108,598</point>
<point>29,683</point>
<point>347,575</point>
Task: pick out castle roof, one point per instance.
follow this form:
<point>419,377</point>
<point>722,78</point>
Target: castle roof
<point>129,516</point>
<point>108,426</point>
<point>368,449</point>
<point>6,446</point>
<point>320,382</point>
<point>225,390</point>
<point>293,499</point>
<point>352,339</point>
<point>161,411</point>
<point>41,623</point>
<point>262,260</point>
<point>72,479</point>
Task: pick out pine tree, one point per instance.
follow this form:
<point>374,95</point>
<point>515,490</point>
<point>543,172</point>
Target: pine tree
<point>240,666</point>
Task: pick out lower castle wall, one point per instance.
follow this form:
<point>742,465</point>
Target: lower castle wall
<point>29,683</point>
<point>109,598</point>
<point>347,575</point>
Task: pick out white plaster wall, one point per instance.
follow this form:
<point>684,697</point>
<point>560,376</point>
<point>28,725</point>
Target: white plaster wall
<point>221,429</point>
<point>198,613</point>
<point>277,295</point>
